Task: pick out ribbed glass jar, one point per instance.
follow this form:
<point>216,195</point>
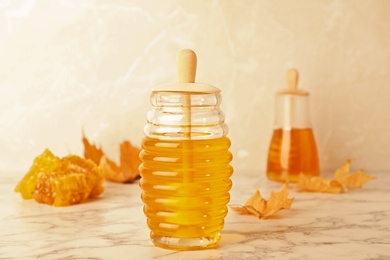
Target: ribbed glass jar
<point>185,170</point>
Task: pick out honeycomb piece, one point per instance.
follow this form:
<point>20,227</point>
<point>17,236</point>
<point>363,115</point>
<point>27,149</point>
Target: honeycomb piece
<point>73,182</point>
<point>44,163</point>
<point>61,188</point>
<point>69,181</point>
<point>94,174</point>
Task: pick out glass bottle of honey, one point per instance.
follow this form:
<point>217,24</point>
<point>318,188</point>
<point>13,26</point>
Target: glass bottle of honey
<point>292,149</point>
<point>185,166</point>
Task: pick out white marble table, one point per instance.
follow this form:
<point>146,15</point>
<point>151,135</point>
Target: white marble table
<point>353,225</point>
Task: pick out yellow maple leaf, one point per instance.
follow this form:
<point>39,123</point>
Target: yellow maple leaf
<point>91,151</point>
<point>358,179</point>
<point>342,179</point>
<point>129,161</point>
<point>355,180</point>
<point>258,206</point>
<point>317,184</point>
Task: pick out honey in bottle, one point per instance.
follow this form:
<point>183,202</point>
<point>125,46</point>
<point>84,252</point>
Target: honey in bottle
<point>292,149</point>
<point>185,170</point>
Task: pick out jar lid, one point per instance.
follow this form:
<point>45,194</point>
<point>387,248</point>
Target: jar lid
<point>185,87</point>
<point>292,85</point>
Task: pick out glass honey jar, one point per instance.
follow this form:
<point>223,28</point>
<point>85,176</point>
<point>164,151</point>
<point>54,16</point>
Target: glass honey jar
<point>185,170</point>
<point>292,149</point>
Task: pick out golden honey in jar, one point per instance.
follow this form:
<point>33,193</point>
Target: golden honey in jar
<point>185,170</point>
<point>292,149</point>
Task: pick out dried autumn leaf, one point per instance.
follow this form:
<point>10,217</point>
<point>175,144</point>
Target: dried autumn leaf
<point>254,205</point>
<point>91,151</point>
<point>358,178</point>
<point>258,206</point>
<point>342,179</point>
<point>355,180</point>
<point>317,184</point>
<point>126,171</point>
<point>278,200</point>
<point>341,175</point>
<point>129,159</point>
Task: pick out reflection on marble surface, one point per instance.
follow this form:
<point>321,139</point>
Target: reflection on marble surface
<point>67,65</point>
<point>353,225</point>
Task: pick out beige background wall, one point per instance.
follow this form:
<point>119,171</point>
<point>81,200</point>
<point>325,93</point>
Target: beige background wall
<point>67,65</point>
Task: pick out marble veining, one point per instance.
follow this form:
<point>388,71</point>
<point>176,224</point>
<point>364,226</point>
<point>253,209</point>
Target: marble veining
<point>354,225</point>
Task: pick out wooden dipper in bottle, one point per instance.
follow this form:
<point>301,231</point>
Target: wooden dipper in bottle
<point>292,77</point>
<point>291,93</point>
<point>186,67</point>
